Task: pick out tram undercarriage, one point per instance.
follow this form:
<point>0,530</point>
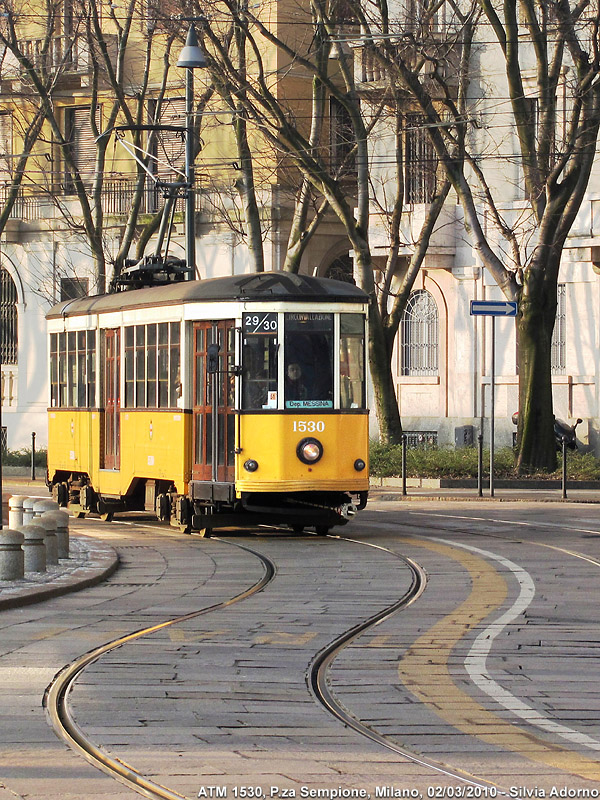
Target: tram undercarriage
<point>210,506</point>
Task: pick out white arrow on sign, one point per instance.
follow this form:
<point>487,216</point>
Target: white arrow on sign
<point>493,308</point>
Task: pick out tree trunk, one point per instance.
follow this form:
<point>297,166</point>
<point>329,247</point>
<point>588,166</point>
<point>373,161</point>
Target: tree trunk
<point>535,322</point>
<point>386,404</point>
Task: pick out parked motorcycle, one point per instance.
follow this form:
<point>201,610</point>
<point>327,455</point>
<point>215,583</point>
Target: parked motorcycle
<point>562,430</point>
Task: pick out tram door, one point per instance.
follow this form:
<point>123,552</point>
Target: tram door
<point>214,435</point>
<point>111,448</point>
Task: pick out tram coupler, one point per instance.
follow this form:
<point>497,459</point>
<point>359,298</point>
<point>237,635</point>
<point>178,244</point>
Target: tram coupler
<point>347,510</point>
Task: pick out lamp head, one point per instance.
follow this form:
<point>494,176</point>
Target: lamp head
<point>192,56</point>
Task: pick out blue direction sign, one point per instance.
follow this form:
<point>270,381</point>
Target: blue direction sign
<point>493,308</point>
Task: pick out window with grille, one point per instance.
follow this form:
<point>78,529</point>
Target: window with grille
<point>558,350</point>
<point>342,139</point>
<point>420,161</point>
<point>419,332</point>
<point>72,288</point>
<point>8,319</point>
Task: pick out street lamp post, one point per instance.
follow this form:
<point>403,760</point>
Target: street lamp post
<point>191,58</point>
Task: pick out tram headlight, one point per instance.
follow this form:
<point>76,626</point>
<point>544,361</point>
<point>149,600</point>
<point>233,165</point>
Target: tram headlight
<point>251,465</point>
<point>359,465</point>
<point>309,451</point>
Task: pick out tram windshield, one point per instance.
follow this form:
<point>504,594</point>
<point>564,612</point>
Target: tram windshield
<point>259,360</point>
<point>308,367</point>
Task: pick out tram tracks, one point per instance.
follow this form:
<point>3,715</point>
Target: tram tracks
<point>317,676</point>
<point>57,705</point>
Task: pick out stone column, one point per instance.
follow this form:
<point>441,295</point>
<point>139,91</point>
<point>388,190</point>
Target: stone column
<point>15,511</point>
<point>34,548</point>
<point>62,530</point>
<point>28,504</point>
<point>12,563</point>
<point>50,540</point>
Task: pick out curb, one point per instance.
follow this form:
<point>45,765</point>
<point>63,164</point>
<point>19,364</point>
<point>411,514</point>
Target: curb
<point>390,497</point>
<point>102,562</point>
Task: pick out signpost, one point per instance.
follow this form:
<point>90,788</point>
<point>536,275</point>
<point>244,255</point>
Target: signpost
<point>493,309</point>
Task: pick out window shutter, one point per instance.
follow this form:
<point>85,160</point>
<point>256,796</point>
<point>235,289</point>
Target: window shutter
<point>6,148</point>
<point>82,140</point>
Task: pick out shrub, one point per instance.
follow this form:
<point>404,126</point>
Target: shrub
<point>386,461</point>
<point>22,458</point>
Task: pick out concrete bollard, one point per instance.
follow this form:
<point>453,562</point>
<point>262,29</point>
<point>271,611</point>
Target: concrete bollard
<point>50,540</point>
<point>28,504</point>
<point>12,564</point>
<point>34,548</point>
<point>62,531</point>
<point>15,511</point>
<point>41,506</point>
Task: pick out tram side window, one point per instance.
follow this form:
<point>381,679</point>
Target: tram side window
<point>152,365</point>
<point>73,369</point>
<point>352,361</point>
<point>54,393</point>
<point>308,345</point>
<point>259,371</point>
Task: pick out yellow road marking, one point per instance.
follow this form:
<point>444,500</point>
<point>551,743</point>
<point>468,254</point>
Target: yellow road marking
<point>427,659</point>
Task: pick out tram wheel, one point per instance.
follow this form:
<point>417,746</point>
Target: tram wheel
<point>107,516</point>
<point>322,530</point>
<point>77,512</point>
<point>204,533</point>
<point>298,528</point>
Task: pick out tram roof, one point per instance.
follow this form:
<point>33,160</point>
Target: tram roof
<point>257,286</point>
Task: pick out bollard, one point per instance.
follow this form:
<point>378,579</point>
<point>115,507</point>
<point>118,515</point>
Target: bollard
<point>42,505</point>
<point>28,504</point>
<point>12,563</point>
<point>480,465</point>
<point>15,511</point>
<point>50,540</point>
<point>33,456</point>
<point>404,446</point>
<point>564,467</point>
<point>34,548</point>
<point>62,530</point>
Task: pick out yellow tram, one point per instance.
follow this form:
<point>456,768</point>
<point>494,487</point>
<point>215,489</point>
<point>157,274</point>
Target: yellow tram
<point>230,402</point>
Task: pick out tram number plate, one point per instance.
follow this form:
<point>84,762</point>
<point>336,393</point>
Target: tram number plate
<point>309,426</point>
<point>263,322</point>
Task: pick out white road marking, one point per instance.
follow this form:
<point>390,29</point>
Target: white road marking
<point>476,660</point>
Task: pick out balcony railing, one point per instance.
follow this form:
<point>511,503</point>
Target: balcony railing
<point>116,198</point>
<point>60,52</point>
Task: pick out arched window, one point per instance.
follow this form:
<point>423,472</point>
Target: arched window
<point>419,331</point>
<point>8,319</point>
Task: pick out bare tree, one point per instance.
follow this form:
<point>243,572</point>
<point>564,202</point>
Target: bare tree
<point>551,62</point>
<point>307,145</point>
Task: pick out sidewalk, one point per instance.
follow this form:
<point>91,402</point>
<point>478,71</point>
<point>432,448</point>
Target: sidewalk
<point>390,489</point>
<point>90,561</point>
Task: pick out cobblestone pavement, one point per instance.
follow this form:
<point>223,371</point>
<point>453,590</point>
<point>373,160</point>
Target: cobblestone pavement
<point>493,671</point>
